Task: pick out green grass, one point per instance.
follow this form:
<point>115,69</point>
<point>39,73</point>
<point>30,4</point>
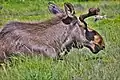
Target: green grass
<point>78,64</point>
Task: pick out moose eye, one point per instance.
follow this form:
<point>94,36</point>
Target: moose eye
<point>90,35</point>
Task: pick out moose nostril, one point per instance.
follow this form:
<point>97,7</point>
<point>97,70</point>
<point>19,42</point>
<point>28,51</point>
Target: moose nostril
<point>103,47</point>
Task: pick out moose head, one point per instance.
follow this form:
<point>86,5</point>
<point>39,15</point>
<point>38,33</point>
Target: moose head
<point>91,35</point>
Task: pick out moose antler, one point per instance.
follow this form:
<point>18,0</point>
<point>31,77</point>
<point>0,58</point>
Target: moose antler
<point>91,12</point>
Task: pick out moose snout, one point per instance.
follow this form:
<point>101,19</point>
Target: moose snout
<point>103,47</point>
<point>97,48</point>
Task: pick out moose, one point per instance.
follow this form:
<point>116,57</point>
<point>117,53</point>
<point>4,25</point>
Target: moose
<point>48,38</point>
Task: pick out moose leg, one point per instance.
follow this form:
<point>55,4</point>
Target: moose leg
<point>50,51</point>
<point>3,56</point>
<point>67,46</point>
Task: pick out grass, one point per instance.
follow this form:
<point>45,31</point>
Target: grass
<point>78,64</point>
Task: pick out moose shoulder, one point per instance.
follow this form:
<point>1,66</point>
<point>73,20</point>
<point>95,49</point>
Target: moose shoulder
<point>28,38</point>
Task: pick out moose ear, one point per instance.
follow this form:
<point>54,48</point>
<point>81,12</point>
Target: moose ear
<point>54,9</point>
<point>69,9</point>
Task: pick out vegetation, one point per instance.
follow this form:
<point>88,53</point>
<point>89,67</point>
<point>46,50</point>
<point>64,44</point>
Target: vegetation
<point>78,64</point>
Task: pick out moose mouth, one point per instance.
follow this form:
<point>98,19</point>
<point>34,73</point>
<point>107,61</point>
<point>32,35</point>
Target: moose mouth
<point>94,50</point>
